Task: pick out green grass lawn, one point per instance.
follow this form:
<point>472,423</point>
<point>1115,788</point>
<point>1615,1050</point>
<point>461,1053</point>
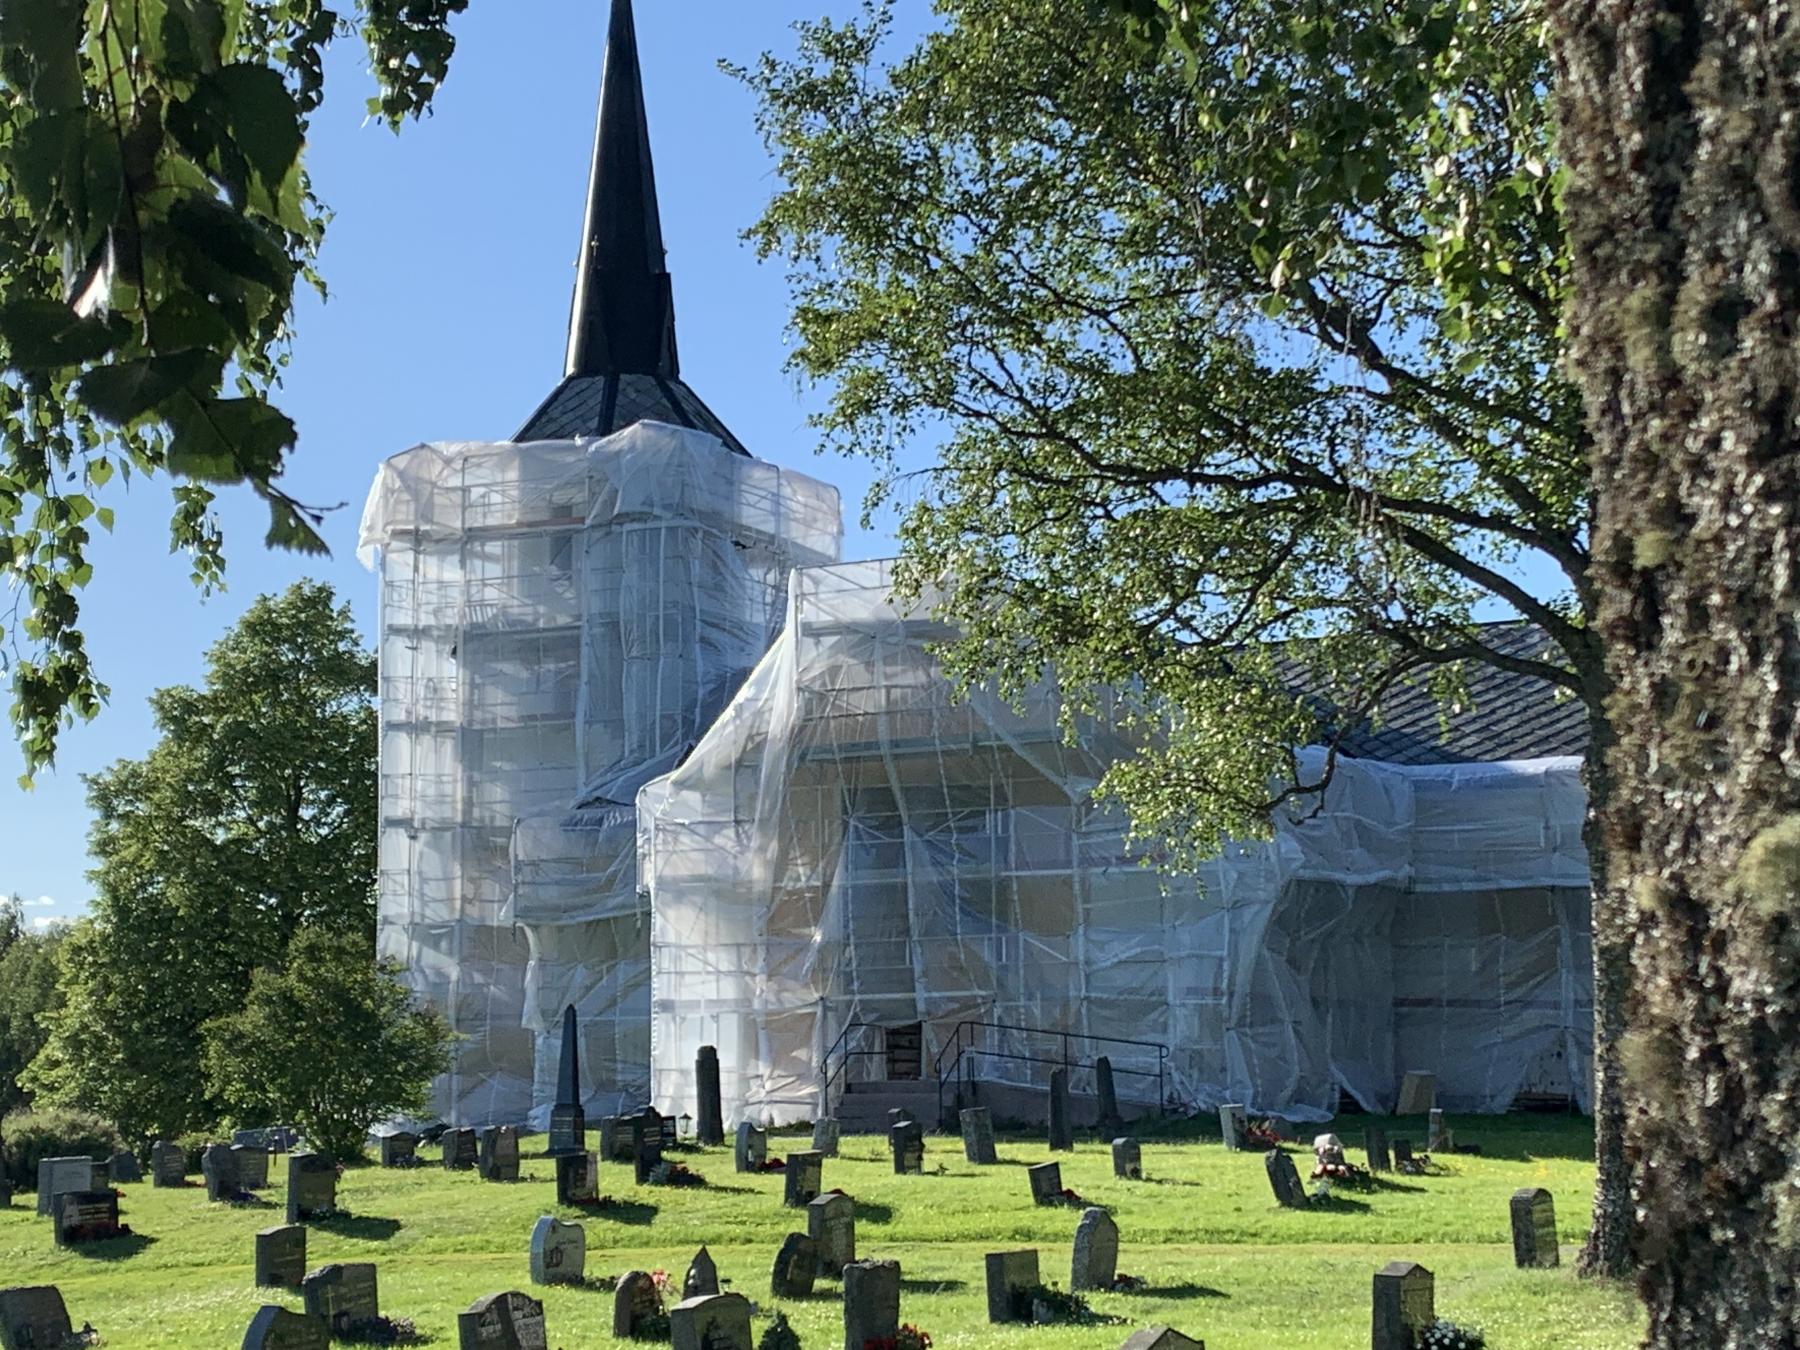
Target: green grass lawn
<point>1224,1264</point>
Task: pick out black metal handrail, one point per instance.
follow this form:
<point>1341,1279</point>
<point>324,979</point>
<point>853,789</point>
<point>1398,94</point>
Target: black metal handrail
<point>945,1073</point>
<point>830,1074</point>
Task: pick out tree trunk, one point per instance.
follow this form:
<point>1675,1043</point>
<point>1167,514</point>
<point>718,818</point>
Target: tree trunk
<point>1681,133</point>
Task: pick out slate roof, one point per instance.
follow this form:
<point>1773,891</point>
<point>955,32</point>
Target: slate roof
<point>598,405</point>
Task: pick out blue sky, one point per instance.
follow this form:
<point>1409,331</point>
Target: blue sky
<point>450,263</point>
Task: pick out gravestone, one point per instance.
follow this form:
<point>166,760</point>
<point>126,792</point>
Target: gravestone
<point>1095,1260</point>
<point>342,1295</point>
<point>825,1137</point>
<point>460,1150</point>
<point>275,1328</point>
<point>399,1149</point>
<point>1128,1159</point>
<point>702,1276</point>
<point>1403,1154</point>
<point>1062,1129</point>
<point>568,1123</point>
<point>124,1169</point>
<point>499,1156</point>
<point>273,1139</point>
<point>897,1115</point>
<point>1046,1183</point>
<point>831,1222</point>
<point>1161,1338</point>
<point>646,1143</point>
<point>1375,1144</point>
<point>56,1175</point>
<point>1534,1228</point>
<point>1231,1125</point>
<point>711,1322</point>
<point>509,1321</point>
<point>5,1193</point>
<point>311,1187</point>
<point>168,1164</point>
<point>252,1166</point>
<point>796,1267</point>
<point>752,1147</point>
<point>281,1256</point>
<point>803,1180</point>
<point>558,1252</point>
<point>615,1139</point>
<point>709,1123</point>
<point>1284,1180</point>
<point>1418,1093</point>
<point>34,1317</point>
<point>978,1135</point>
<point>218,1164</point>
<point>577,1178</point>
<point>1110,1120</point>
<point>906,1142</point>
<point>635,1302</point>
<point>669,1136</point>
<point>871,1303</point>
<point>1405,1306</point>
<point>86,1216</point>
<point>1437,1135</point>
<point>1009,1275</point>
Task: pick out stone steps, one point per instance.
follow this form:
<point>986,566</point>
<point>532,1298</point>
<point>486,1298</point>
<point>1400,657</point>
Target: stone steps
<point>864,1107</point>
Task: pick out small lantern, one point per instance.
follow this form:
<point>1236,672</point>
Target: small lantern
<point>687,1125</point>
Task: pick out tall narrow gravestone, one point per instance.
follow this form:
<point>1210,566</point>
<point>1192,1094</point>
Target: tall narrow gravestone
<point>218,1164</point>
<point>871,1303</point>
<point>509,1321</point>
<point>281,1257</point>
<point>1094,1262</point>
<point>825,1137</point>
<point>558,1252</point>
<point>1046,1183</point>
<point>275,1328</point>
<point>906,1142</point>
<point>831,1223</point>
<point>978,1135</point>
<point>709,1122</point>
<point>568,1123</point>
<point>711,1322</point>
<point>1375,1144</point>
<point>1534,1228</point>
<point>1110,1120</point>
<point>702,1276</point>
<point>311,1188</point>
<point>1011,1276</point>
<point>1062,1131</point>
<point>1405,1306</point>
<point>796,1267</point>
<point>1128,1159</point>
<point>1231,1124</point>
<point>646,1143</point>
<point>342,1296</point>
<point>803,1179</point>
<point>752,1147</point>
<point>1437,1134</point>
<point>1284,1180</point>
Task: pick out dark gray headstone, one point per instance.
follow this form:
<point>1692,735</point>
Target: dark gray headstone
<point>1231,1124</point>
<point>498,1156</point>
<point>752,1147</point>
<point>1128,1159</point>
<point>825,1137</point>
<point>1095,1260</point>
<point>711,1322</point>
<point>341,1296</point>
<point>1062,1128</point>
<point>568,1123</point>
<point>1046,1183</point>
<point>702,1278</point>
<point>804,1179</point>
<point>978,1135</point>
<point>399,1149</point>
<point>57,1175</point>
<point>168,1164</point>
<point>509,1321</point>
<point>311,1187</point>
<point>615,1139</point>
<point>275,1328</point>
<point>871,1303</point>
<point>124,1168</point>
<point>86,1216</point>
<point>709,1121</point>
<point>646,1143</point>
<point>796,1267</point>
<point>218,1164</point>
<point>1375,1144</point>
<point>898,1114</point>
<point>281,1256</point>
<point>1284,1180</point>
<point>1010,1275</point>
<point>1405,1306</point>
<point>1110,1121</point>
<point>252,1165</point>
<point>1403,1154</point>
<point>461,1150</point>
<point>906,1142</point>
<point>1161,1338</point>
<point>558,1252</point>
<point>1534,1228</point>
<point>34,1316</point>
<point>635,1302</point>
<point>831,1222</point>
<point>577,1178</point>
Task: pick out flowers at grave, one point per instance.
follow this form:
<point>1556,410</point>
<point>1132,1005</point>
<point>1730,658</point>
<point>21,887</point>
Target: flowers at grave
<point>1070,1197</point>
<point>908,1338</point>
<point>1446,1335</point>
<point>1263,1134</point>
<point>668,1172</point>
<point>779,1336</point>
<point>1129,1284</point>
<point>1330,1164</point>
<point>1046,1305</point>
<point>772,1165</point>
<point>381,1331</point>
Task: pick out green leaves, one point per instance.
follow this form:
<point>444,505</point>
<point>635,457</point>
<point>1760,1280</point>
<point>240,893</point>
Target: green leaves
<point>45,335</point>
<point>124,392</point>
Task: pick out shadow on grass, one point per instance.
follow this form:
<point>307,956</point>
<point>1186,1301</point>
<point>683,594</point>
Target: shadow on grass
<point>1381,1183</point>
<point>249,1200</point>
<point>871,1211</point>
<point>1187,1289</point>
<point>621,1211</point>
<point>816,1296</point>
<point>357,1226</point>
<point>718,1188</point>
<point>113,1249</point>
<point>933,1286</point>
<point>1337,1203</point>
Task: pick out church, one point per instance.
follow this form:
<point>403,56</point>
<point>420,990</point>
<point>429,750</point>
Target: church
<point>651,749</point>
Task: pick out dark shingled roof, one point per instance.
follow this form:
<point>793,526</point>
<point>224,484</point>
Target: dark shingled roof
<point>1508,715</point>
<point>622,365</point>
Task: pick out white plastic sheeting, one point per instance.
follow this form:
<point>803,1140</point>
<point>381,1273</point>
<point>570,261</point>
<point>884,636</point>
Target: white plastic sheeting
<point>850,844</point>
<point>560,623</point>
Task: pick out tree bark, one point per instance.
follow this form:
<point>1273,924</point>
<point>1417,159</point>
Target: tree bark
<point>1681,133</point>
